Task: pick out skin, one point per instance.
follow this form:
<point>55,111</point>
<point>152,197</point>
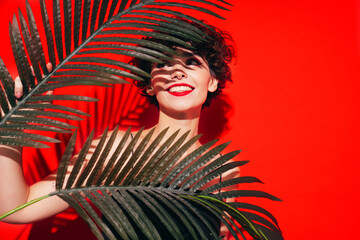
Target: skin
<point>178,112</point>
<point>181,112</point>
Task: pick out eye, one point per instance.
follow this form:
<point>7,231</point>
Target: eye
<point>193,61</point>
<point>161,65</point>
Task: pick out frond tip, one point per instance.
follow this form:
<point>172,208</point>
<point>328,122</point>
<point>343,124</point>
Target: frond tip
<point>145,190</point>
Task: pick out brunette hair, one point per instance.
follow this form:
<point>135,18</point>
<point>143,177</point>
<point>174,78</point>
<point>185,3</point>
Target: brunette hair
<point>218,52</point>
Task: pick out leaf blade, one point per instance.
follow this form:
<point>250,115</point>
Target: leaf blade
<point>65,160</point>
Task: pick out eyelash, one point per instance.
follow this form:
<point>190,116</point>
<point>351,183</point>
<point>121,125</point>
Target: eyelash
<point>190,61</point>
<point>160,65</point>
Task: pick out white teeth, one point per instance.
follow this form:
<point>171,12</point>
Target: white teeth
<point>180,89</point>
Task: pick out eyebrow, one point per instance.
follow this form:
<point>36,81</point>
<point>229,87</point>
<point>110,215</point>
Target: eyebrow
<point>182,54</point>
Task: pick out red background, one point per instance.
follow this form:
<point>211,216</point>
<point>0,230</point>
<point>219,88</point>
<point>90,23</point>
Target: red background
<point>295,113</point>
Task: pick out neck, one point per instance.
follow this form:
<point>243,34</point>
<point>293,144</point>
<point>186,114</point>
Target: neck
<point>184,122</point>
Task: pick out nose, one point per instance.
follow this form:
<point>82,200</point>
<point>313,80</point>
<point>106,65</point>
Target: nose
<point>178,74</point>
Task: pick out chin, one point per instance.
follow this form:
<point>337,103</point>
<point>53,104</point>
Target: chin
<point>183,109</point>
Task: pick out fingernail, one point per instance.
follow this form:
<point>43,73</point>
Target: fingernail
<point>18,94</point>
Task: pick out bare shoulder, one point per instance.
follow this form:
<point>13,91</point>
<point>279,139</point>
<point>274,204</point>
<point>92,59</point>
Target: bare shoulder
<point>232,173</point>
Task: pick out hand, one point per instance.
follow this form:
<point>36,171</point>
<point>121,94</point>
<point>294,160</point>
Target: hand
<point>18,90</point>
<point>19,87</point>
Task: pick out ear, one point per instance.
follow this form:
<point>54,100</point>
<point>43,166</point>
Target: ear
<point>150,91</point>
<point>213,84</point>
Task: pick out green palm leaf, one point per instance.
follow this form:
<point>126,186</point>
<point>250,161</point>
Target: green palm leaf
<point>78,58</point>
<point>127,203</point>
<point>132,200</point>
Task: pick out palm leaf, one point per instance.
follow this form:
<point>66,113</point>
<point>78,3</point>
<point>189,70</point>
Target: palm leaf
<point>140,205</point>
<point>127,206</point>
<point>108,28</point>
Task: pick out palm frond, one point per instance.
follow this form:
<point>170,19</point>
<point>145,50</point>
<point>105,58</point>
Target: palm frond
<point>138,204</point>
<point>132,201</point>
<point>83,47</point>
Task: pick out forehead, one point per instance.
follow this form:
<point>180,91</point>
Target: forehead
<point>183,53</point>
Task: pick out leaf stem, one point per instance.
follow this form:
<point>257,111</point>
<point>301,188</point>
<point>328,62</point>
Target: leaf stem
<point>23,206</point>
<point>250,224</point>
<point>198,198</point>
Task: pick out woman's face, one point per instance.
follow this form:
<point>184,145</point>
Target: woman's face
<point>181,85</point>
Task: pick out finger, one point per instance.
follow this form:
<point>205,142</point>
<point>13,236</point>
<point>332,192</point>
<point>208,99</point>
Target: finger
<point>32,71</point>
<point>18,87</point>
<point>49,67</point>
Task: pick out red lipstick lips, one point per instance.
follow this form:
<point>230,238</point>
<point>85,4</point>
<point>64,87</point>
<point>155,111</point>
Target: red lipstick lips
<point>180,89</point>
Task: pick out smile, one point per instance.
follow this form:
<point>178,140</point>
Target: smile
<point>180,89</point>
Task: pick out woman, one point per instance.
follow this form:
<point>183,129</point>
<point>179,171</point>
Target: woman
<point>180,87</point>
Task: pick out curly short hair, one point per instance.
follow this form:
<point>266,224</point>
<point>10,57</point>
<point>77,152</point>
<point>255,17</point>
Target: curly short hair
<point>218,52</point>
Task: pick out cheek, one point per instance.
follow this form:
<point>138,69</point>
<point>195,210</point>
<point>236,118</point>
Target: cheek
<point>157,87</point>
<point>205,83</point>
<point>154,83</point>
<point>203,91</point>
